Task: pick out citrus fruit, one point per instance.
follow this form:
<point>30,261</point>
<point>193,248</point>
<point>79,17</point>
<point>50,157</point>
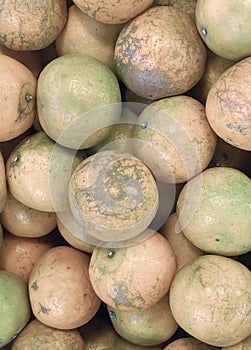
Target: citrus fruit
<point>18,103</point>
<point>30,26</point>
<point>210,300</point>
<point>225,27</point>
<point>77,95</point>
<point>37,335</point>
<point>135,277</point>
<point>15,308</point>
<point>189,343</point>
<point>228,105</point>
<point>112,11</point>
<point>183,249</point>
<point>19,254</point>
<point>174,139</point>
<point>152,326</point>
<point>60,291</point>
<point>243,345</point>
<point>217,217</point>
<point>84,34</point>
<point>3,185</point>
<point>24,221</point>
<point>113,195</point>
<point>160,53</point>
<point>187,6</point>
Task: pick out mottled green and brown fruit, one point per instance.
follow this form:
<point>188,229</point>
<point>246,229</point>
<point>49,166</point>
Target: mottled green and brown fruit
<point>3,185</point>
<point>225,27</point>
<point>60,291</point>
<point>18,98</point>
<point>174,139</point>
<point>19,254</point>
<point>123,344</point>
<point>15,308</point>
<point>210,300</point>
<point>113,195</point>
<point>215,66</point>
<point>228,105</point>
<point>187,6</point>
<point>78,100</point>
<point>148,327</point>
<point>84,34</point>
<point>214,211</point>
<point>160,53</point>
<point>135,277</point>
<point>113,11</point>
<point>37,335</point>
<point>30,25</point>
<point>183,249</point>
<point>243,345</point>
<point>24,221</point>
<point>189,343</point>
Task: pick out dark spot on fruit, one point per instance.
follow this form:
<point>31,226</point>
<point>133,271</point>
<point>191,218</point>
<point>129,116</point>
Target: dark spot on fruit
<point>111,254</point>
<point>112,315</point>
<point>43,309</point>
<point>34,285</point>
<point>217,240</point>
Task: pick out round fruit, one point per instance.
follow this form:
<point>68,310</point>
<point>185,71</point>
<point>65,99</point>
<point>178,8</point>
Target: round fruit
<point>113,11</point>
<point>183,249</point>
<point>19,254</point>
<point>78,100</point>
<point>225,27</point>
<point>243,345</point>
<point>187,6</point>
<point>174,138</point>
<point>123,344</point>
<point>160,53</point>
<point>18,102</point>
<point>24,221</point>
<point>210,300</point>
<point>228,105</point>
<point>84,34</point>
<point>135,277</point>
<point>15,309</point>
<point>60,291</point>
<point>145,327</point>
<point>37,335</point>
<point>113,195</point>
<point>217,217</point>
<point>30,26</point>
<point>3,185</point>
<point>189,343</point>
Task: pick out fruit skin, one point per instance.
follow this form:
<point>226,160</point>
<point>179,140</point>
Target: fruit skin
<point>86,100</point>
<point>243,345</point>
<point>30,26</point>
<point>113,11</point>
<point>15,308</point>
<point>228,105</point>
<point>37,335</point>
<point>58,275</point>
<point>84,34</point>
<point>160,53</point>
<point>145,327</point>
<point>18,98</point>
<point>174,139</point>
<point>189,343</point>
<point>135,277</point>
<point>210,300</point>
<point>225,27</point>
<point>217,217</point>
<point>3,185</point>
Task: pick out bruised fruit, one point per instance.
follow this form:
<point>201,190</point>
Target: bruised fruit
<point>15,308</point>
<point>210,300</point>
<point>113,11</point>
<point>60,291</point>
<point>133,278</point>
<point>18,98</point>
<point>228,105</point>
<point>160,53</point>
<point>37,335</point>
<point>30,25</point>
<point>217,217</point>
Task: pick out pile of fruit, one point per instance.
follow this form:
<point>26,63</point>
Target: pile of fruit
<point>125,191</point>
